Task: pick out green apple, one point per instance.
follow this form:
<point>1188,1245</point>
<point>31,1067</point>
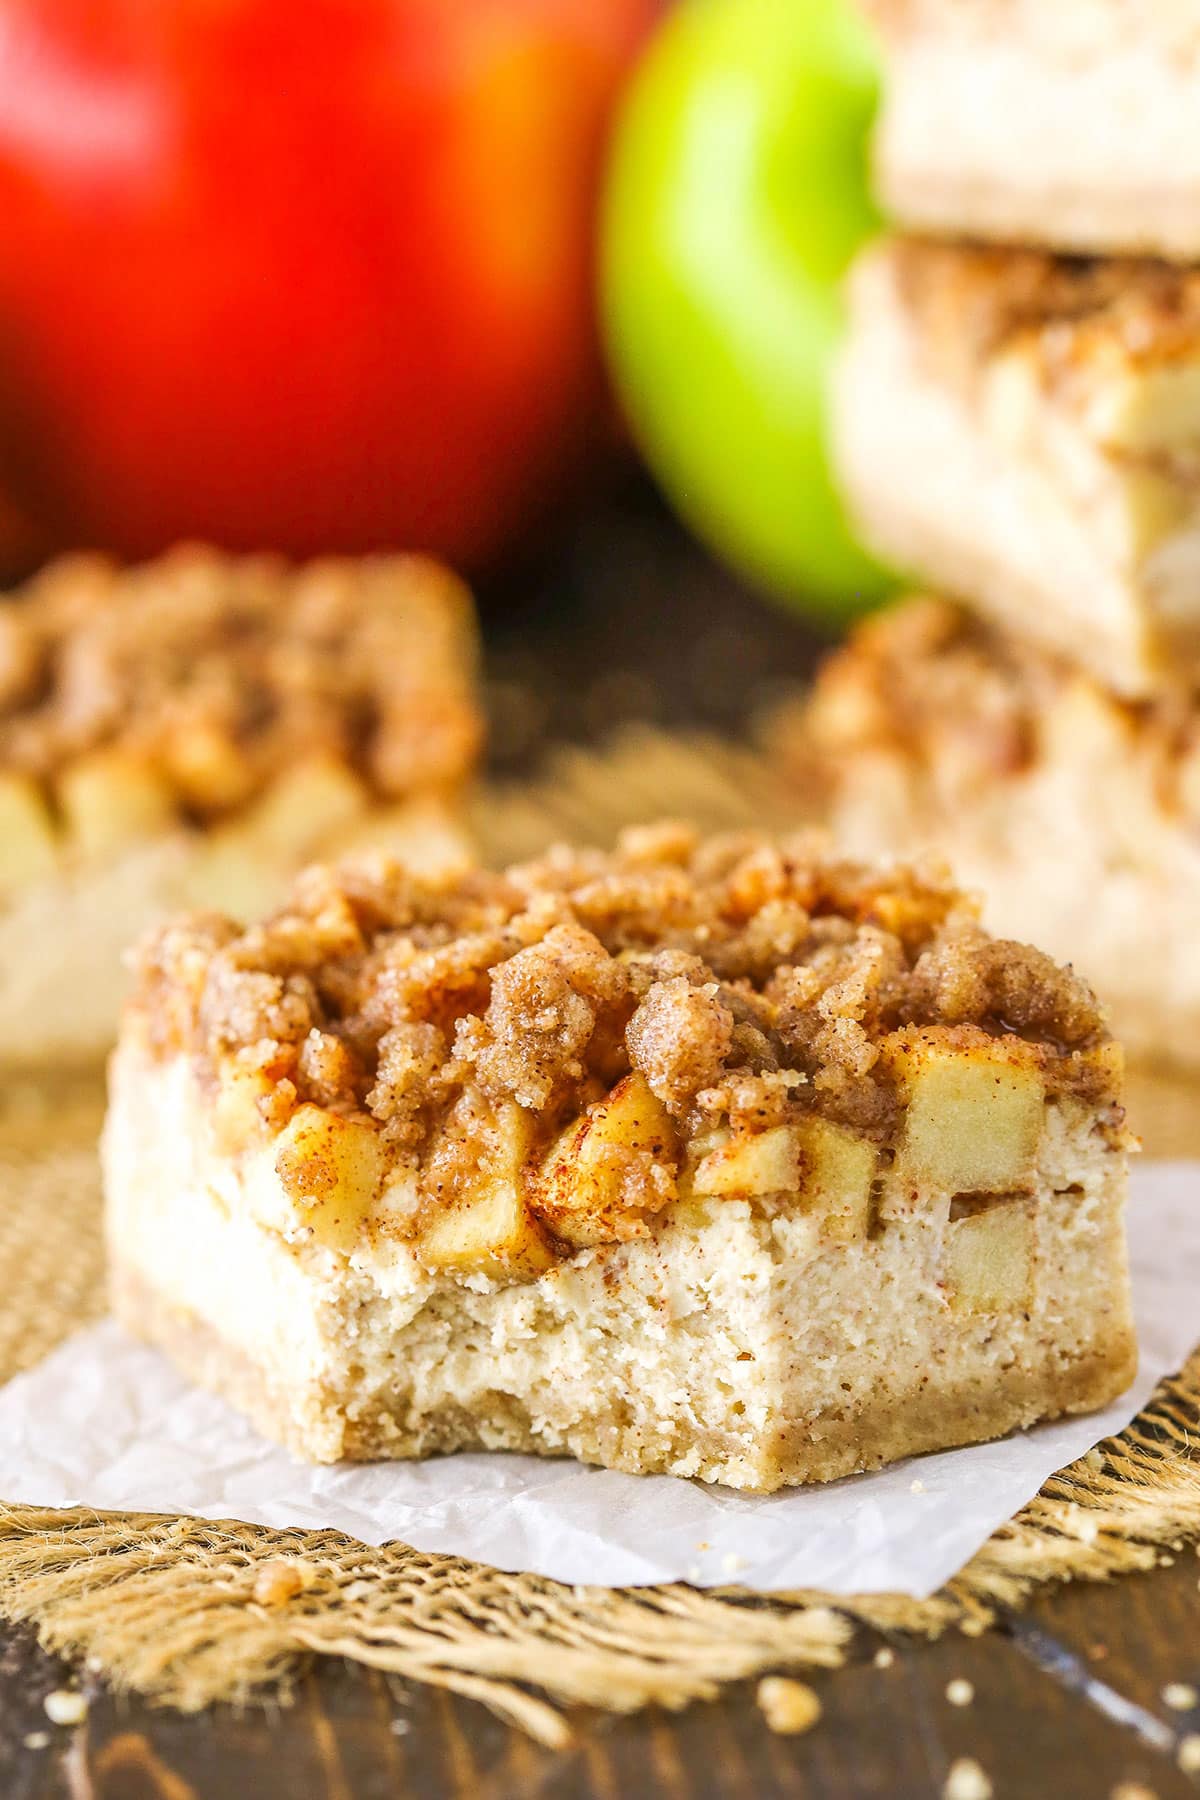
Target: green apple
<point>737,194</point>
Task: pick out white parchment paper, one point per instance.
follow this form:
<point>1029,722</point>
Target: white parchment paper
<point>105,1422</point>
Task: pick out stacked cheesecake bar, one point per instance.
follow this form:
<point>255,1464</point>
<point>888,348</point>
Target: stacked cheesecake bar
<point>1020,425</point>
<point>188,734</point>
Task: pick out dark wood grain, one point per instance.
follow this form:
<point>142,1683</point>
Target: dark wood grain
<point>355,1735</point>
<point>624,617</point>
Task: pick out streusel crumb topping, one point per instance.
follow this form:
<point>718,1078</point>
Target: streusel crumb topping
<point>929,682</point>
<point>1080,319</point>
<point>741,978</point>
<point>222,672</point>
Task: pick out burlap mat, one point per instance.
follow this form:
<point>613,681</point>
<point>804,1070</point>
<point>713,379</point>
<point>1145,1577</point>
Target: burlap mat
<point>188,1612</point>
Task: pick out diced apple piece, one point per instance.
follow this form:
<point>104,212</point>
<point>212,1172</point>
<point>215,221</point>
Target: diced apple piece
<point>692,1211</point>
<point>112,798</point>
<point>27,845</point>
<point>306,805</point>
<point>765,1162</point>
<point>632,1117</point>
<point>837,1168</point>
<point>1106,1062</point>
<point>989,1258</point>
<point>237,864</point>
<point>331,1169</point>
<point>207,767</point>
<point>589,1190</point>
<point>484,1225</point>
<point>1154,505</point>
<point>489,1232</point>
<point>237,1118</point>
<point>974,1119</point>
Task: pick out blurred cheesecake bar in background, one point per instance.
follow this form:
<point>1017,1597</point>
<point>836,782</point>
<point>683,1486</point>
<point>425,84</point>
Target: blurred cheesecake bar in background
<point>187,734</point>
<point>717,1158</point>
<point>1024,430</point>
<point>1068,123</point>
<point>1076,815</point>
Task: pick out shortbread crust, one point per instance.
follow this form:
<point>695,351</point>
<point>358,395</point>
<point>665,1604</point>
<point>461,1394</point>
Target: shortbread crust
<point>1067,123</point>
<point>1075,815</point>
<point>724,1160</point>
<point>188,734</point>
<point>1024,431</point>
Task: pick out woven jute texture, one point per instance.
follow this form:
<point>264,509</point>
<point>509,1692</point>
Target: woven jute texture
<point>188,1612</point>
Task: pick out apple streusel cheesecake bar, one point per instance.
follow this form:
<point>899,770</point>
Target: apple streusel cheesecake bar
<point>188,734</point>
<point>721,1158</point>
<point>1024,431</point>
<point>1075,814</point>
<point>1069,123</point>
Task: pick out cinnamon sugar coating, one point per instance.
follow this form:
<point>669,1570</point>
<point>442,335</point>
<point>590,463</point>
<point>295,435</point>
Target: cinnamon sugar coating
<point>745,980</point>
<point>222,671</point>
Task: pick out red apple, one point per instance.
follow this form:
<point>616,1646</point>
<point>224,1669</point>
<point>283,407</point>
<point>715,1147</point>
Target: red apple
<point>310,276</point>
<point>22,545</point>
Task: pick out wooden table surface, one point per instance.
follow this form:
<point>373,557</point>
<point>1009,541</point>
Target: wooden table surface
<point>625,619</point>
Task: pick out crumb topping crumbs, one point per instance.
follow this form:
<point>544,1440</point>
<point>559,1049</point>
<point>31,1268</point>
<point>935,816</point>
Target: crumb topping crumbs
<point>222,671</point>
<point>927,681</point>
<point>741,979</point>
<point>1079,318</point>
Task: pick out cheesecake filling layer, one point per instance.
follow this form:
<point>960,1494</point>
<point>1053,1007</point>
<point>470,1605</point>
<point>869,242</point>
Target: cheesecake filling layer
<point>739,1341</point>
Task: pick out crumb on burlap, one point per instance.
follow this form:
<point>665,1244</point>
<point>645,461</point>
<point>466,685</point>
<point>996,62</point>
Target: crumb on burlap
<point>280,1580</point>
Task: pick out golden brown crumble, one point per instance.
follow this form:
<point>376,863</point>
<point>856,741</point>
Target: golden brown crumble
<point>1080,319</point>
<point>742,980</point>
<point>222,672</point>
<point>928,682</point>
